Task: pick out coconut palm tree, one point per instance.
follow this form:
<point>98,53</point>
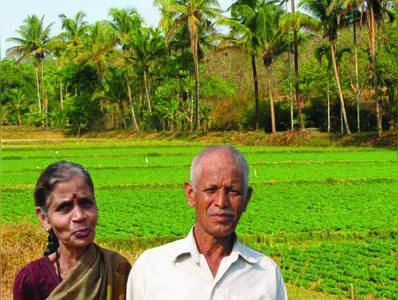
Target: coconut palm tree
<point>146,45</point>
<point>324,51</point>
<point>375,13</point>
<point>296,60</point>
<point>329,17</point>
<point>273,41</point>
<point>33,43</point>
<point>75,33</point>
<point>101,42</point>
<point>243,23</point>
<point>353,13</point>
<point>126,22</point>
<point>194,14</point>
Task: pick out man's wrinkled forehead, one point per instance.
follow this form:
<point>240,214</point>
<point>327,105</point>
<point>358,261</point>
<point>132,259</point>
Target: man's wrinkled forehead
<point>217,162</point>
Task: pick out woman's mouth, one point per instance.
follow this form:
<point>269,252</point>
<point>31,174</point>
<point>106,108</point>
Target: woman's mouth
<point>81,233</point>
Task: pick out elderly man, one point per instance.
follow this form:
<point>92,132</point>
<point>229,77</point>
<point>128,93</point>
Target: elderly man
<point>210,263</point>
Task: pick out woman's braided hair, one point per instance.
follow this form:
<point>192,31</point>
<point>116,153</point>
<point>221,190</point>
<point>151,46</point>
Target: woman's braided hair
<point>57,172</point>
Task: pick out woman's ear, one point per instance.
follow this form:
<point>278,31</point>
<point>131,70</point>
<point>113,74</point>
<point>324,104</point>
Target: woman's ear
<point>43,219</point>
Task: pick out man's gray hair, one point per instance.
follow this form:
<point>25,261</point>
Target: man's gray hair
<point>237,158</point>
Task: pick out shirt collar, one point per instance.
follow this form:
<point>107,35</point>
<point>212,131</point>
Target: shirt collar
<point>188,246</point>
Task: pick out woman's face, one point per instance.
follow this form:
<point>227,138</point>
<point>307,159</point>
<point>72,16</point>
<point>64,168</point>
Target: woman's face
<point>72,213</point>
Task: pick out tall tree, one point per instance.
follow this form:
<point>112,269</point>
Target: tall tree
<point>33,43</point>
<point>75,34</point>
<point>127,23</point>
<point>194,14</point>
<point>296,61</point>
<point>243,23</point>
<point>353,13</point>
<point>330,23</point>
<point>273,41</point>
<point>101,42</point>
<point>146,45</point>
<point>376,10</point>
<point>325,52</point>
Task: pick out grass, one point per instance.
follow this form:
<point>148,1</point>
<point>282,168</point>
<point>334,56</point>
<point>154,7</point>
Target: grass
<point>311,206</point>
<point>16,249</point>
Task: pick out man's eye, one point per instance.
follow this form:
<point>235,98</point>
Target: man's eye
<point>234,192</point>
<point>64,207</point>
<point>211,190</point>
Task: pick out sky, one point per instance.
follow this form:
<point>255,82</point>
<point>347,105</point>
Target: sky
<point>14,12</point>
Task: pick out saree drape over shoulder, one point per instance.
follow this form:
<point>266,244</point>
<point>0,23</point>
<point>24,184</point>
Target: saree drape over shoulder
<point>100,274</point>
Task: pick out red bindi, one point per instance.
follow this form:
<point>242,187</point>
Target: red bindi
<point>74,196</point>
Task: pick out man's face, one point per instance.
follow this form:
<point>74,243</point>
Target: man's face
<point>218,195</point>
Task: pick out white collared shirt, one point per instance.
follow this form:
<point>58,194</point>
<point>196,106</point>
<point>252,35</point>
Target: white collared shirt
<point>178,271</point>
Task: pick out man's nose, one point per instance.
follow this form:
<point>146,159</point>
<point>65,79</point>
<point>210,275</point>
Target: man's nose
<point>222,199</point>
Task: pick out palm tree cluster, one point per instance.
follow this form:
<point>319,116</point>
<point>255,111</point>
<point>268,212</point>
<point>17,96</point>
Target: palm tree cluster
<point>129,75</point>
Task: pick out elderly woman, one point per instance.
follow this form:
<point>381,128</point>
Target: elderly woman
<point>73,266</point>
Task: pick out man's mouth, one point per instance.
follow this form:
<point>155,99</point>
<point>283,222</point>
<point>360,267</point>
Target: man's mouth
<point>223,216</point>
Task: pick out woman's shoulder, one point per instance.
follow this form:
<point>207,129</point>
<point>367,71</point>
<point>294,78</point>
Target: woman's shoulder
<point>33,268</point>
<point>34,279</point>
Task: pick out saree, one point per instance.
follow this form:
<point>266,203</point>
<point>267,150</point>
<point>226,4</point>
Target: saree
<point>100,274</point>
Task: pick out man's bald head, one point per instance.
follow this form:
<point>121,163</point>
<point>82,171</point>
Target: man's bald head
<point>235,155</point>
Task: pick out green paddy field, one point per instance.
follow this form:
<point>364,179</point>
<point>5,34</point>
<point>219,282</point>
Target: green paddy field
<point>329,216</point>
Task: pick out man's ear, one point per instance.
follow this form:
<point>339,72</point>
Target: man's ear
<point>248,196</point>
<point>189,193</point>
<point>43,219</point>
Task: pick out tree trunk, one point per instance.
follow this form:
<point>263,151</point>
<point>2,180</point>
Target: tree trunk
<point>296,67</point>
<point>45,102</point>
<point>38,91</point>
<point>61,95</point>
<point>379,118</point>
<point>255,81</point>
<point>271,100</point>
<point>192,108</point>
<point>123,113</point>
<point>19,117</point>
<point>357,91</point>
<point>341,121</point>
<point>337,75</point>
<point>372,41</point>
<point>196,66</point>
<point>328,95</point>
<point>131,102</point>
<point>290,87</point>
<point>148,99</point>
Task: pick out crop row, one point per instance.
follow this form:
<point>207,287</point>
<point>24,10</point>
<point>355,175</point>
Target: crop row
<point>258,174</point>
<point>126,149</point>
<point>273,209</point>
<point>370,266</point>
<point>147,160</point>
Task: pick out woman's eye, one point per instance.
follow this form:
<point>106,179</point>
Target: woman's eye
<point>87,203</point>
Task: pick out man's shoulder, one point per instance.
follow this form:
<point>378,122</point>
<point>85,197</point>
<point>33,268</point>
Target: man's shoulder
<point>258,257</point>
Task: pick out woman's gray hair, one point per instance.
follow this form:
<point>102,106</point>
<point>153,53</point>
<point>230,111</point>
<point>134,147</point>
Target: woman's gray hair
<point>237,158</point>
<point>57,172</point>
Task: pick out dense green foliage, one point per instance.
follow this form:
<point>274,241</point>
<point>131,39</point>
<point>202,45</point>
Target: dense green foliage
<point>327,215</point>
<point>118,73</point>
